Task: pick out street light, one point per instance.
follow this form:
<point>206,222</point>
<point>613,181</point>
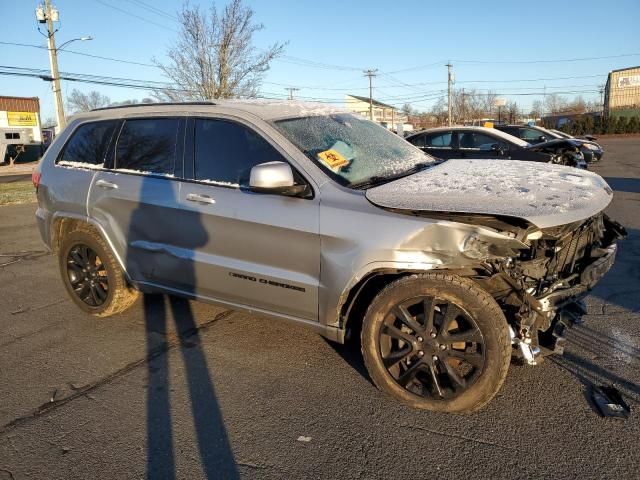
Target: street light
<point>81,39</point>
<point>46,14</point>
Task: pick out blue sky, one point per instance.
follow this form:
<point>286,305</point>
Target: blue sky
<point>394,37</point>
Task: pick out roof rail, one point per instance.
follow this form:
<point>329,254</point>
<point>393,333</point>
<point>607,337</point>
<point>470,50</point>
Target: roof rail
<point>153,104</point>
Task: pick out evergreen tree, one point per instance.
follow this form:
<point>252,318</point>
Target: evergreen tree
<point>622,125</point>
<point>634,125</point>
<point>589,124</point>
<point>597,125</point>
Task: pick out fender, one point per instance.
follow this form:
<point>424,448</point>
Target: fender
<point>60,216</point>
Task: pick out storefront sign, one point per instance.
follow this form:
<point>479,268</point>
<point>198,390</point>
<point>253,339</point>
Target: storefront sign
<point>22,119</point>
<point>629,81</point>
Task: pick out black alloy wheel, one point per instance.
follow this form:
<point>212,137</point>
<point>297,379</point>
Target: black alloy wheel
<point>432,347</point>
<point>87,275</point>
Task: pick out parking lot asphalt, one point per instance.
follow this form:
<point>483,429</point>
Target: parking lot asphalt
<point>178,389</point>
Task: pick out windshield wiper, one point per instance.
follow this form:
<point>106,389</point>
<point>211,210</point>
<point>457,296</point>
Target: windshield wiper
<point>380,179</point>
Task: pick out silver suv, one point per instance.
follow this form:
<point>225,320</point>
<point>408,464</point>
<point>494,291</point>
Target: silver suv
<point>310,214</point>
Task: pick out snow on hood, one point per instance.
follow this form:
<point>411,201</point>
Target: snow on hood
<point>543,194</point>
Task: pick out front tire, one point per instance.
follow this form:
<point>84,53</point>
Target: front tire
<point>91,274</point>
<point>436,342</point>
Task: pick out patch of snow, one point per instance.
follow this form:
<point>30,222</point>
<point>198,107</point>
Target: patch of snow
<point>89,166</point>
<point>275,109</point>
<point>219,183</point>
<point>143,172</point>
<point>83,165</point>
<point>544,194</point>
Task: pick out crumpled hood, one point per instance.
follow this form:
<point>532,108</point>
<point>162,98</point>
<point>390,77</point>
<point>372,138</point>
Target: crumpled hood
<point>555,144</point>
<point>543,194</point>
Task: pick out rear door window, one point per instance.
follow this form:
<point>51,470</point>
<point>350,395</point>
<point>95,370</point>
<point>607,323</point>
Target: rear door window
<point>476,140</point>
<point>226,151</point>
<point>439,140</point>
<point>89,144</point>
<point>148,145</point>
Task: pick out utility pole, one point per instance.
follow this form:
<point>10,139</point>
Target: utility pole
<point>462,107</point>
<point>370,73</point>
<point>449,82</point>
<point>53,60</point>
<point>291,90</point>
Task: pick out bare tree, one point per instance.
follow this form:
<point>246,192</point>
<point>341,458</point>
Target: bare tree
<point>536,109</point>
<point>554,103</point>
<point>83,102</point>
<point>512,112</point>
<point>214,56</point>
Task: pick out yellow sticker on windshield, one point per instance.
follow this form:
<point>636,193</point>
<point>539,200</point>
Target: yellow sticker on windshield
<point>333,159</point>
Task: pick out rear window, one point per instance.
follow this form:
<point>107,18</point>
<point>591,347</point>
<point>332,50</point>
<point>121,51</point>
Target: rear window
<point>89,143</point>
<point>148,145</point>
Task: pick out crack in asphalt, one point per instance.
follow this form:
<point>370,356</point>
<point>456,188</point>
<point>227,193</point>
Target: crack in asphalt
<point>21,256</point>
<point>459,437</point>
<point>9,472</point>
<point>17,338</point>
<point>20,310</point>
<point>253,466</point>
<point>170,344</point>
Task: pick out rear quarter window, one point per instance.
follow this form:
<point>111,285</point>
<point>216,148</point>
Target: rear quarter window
<point>88,144</point>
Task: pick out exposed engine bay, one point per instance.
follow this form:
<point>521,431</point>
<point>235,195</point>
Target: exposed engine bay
<point>541,290</point>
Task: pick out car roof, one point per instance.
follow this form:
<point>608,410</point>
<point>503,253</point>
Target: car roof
<point>264,109</point>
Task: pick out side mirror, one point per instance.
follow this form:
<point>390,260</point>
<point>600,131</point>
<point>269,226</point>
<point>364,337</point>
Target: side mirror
<point>542,138</point>
<point>276,178</point>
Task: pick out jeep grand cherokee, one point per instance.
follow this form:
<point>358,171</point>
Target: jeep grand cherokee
<point>311,214</point>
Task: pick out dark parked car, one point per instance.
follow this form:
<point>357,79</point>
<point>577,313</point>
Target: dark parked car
<point>591,150</point>
<point>482,142</point>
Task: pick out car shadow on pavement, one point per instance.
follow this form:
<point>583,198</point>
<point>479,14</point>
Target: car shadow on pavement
<point>150,219</point>
<point>621,285</point>
<point>617,350</point>
<point>619,184</point>
<point>351,353</point>
<point>591,375</point>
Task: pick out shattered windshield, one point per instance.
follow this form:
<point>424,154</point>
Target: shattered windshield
<point>353,151</point>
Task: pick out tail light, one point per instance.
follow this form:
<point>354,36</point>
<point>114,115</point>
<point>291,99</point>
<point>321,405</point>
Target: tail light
<point>35,179</point>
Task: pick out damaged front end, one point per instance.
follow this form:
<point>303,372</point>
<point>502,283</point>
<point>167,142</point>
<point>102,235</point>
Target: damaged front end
<point>541,290</point>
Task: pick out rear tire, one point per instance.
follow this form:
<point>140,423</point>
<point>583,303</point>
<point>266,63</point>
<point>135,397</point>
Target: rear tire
<point>436,342</point>
<point>91,274</point>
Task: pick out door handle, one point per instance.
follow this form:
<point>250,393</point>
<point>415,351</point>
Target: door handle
<point>196,197</point>
<point>104,184</point>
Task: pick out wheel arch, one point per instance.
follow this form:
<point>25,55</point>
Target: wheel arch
<point>359,296</point>
<point>65,223</point>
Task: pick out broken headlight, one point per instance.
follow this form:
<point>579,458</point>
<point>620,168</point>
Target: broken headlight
<point>477,247</point>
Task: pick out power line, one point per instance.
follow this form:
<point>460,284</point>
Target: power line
<point>111,59</point>
<point>579,59</point>
<point>126,12</point>
<point>154,9</point>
